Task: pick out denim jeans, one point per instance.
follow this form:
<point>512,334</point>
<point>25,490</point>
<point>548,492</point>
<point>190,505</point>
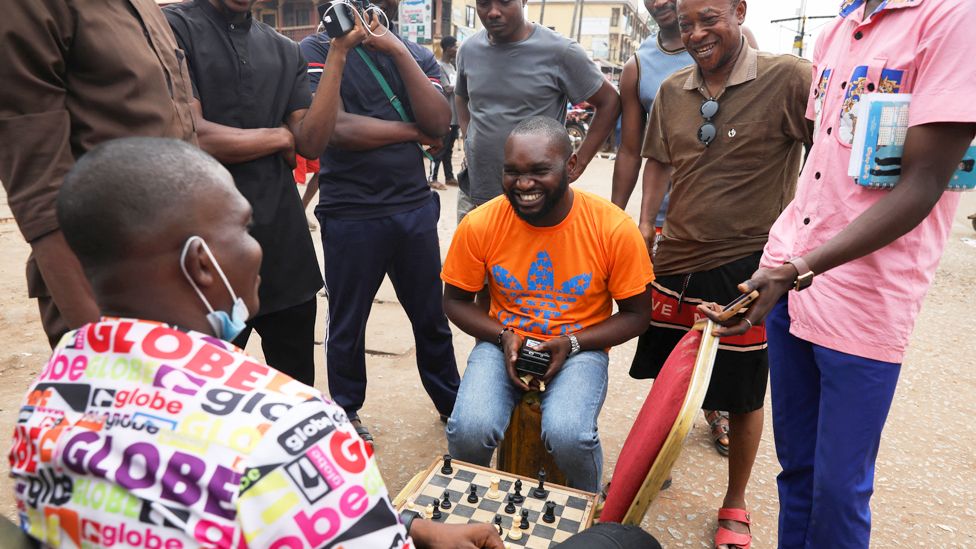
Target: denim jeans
<point>570,406</point>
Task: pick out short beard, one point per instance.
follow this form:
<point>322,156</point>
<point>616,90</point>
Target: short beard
<point>550,203</point>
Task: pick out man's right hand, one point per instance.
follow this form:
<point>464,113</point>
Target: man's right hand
<point>649,232</point>
<point>287,150</point>
<point>434,535</point>
<point>351,39</point>
<point>511,345</point>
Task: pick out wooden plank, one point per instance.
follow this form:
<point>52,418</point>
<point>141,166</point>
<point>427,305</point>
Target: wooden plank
<point>523,451</point>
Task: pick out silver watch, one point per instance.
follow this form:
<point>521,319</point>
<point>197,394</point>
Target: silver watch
<point>574,345</point>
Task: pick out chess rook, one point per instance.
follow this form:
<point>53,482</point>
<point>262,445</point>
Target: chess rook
<point>447,469</point>
<point>550,514</point>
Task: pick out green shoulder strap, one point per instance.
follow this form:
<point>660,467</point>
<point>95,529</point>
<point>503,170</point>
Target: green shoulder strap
<point>394,100</point>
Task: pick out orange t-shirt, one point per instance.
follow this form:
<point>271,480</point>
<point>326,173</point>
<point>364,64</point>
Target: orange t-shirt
<point>550,281</point>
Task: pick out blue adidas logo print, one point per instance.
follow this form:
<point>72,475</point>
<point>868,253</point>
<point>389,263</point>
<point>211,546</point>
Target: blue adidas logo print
<point>538,300</point>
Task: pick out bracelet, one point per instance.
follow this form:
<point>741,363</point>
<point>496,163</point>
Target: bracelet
<point>574,346</point>
<point>502,333</point>
<point>407,518</point>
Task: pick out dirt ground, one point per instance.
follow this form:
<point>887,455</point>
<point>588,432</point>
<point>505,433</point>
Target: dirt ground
<point>926,481</point>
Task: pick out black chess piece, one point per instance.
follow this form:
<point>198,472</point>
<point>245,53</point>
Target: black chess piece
<point>540,491</point>
<point>519,498</point>
<point>498,524</point>
<point>447,469</point>
<point>510,508</point>
<point>446,501</point>
<point>473,494</point>
<point>436,515</point>
<point>549,516</point>
<point>524,524</point>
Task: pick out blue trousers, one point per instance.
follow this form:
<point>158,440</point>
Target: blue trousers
<point>358,254</point>
<point>571,404</point>
<point>829,409</point>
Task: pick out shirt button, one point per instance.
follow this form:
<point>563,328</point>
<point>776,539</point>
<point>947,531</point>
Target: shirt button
<point>232,27</point>
<point>829,130</point>
<point>243,61</point>
<point>806,220</point>
<point>843,85</point>
<point>858,35</point>
<point>871,87</point>
<point>816,175</point>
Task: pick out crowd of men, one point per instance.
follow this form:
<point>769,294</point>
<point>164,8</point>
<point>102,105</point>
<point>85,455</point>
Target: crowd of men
<point>148,161</point>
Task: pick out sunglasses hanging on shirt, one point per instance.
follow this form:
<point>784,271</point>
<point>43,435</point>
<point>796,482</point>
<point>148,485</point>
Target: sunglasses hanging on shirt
<point>708,131</point>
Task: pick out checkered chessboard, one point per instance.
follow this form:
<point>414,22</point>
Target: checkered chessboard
<point>574,508</point>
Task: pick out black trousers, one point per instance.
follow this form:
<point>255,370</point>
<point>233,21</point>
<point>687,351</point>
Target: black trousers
<point>610,535</point>
<point>446,155</point>
<point>287,339</point>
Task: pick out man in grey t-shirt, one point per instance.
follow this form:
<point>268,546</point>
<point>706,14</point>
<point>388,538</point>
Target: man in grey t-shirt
<point>513,70</point>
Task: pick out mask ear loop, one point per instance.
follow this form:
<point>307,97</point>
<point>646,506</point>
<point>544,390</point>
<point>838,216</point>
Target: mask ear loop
<point>334,3</point>
<point>220,272</point>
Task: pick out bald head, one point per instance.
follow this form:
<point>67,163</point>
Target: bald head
<point>134,195</point>
<point>549,132</point>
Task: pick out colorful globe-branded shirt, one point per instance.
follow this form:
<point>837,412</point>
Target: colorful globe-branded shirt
<point>138,434</point>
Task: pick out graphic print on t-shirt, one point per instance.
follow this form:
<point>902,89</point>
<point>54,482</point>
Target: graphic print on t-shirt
<point>538,300</point>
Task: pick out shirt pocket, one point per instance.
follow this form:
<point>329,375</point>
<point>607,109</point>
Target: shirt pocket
<point>875,77</point>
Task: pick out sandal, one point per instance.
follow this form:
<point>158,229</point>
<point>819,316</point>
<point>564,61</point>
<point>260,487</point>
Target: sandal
<point>361,430</point>
<point>724,536</point>
<point>718,422</point>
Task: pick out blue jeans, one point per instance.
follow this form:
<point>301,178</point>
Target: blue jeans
<point>570,406</point>
<point>829,409</point>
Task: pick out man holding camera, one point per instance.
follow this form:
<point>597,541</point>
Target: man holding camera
<point>556,259</point>
<point>377,214</point>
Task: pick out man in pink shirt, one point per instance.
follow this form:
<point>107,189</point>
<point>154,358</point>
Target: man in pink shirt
<point>835,346</point>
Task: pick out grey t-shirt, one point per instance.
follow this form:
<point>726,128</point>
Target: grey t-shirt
<point>507,83</point>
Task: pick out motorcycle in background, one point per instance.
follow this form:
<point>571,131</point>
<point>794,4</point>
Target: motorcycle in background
<point>578,118</point>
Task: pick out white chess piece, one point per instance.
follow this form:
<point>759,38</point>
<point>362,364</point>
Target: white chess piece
<point>493,492</point>
<point>515,533</point>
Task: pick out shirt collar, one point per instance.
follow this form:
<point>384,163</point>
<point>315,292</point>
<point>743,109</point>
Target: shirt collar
<point>848,7</point>
<point>221,19</point>
<point>746,68</point>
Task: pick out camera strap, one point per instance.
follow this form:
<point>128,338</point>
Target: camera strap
<point>385,86</point>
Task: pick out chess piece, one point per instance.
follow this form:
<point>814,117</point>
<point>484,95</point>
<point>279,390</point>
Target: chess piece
<point>542,386</point>
<point>519,498</point>
<point>429,511</point>
<point>515,533</point>
<point>435,510</point>
<point>510,508</point>
<point>411,505</point>
<point>524,524</point>
<point>549,516</point>
<point>540,491</point>
<point>447,469</point>
<point>473,494</point>
<point>498,525</point>
<point>446,501</point>
<point>493,492</point>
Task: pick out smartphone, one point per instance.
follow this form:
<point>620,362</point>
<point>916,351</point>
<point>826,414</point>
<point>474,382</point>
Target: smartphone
<point>737,304</point>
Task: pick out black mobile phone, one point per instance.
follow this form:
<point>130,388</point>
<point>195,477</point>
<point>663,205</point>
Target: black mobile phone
<point>531,361</point>
<point>337,18</point>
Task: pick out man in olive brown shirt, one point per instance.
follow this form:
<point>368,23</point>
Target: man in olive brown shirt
<point>729,133</point>
<point>76,74</point>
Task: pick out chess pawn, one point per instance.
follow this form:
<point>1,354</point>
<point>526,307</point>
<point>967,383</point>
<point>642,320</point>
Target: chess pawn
<point>515,533</point>
<point>510,508</point>
<point>524,524</point>
<point>498,526</point>
<point>473,494</point>
<point>493,492</point>
<point>446,501</point>
<point>435,511</point>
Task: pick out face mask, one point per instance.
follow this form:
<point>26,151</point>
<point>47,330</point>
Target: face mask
<point>225,327</point>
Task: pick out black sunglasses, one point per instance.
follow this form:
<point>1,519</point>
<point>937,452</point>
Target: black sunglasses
<point>708,131</point>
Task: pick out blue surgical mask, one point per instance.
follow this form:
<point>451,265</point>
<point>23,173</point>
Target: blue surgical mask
<point>225,326</point>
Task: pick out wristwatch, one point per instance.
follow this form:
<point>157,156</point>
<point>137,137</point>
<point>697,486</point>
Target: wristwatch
<point>574,347</point>
<point>804,276</point>
<point>407,518</point>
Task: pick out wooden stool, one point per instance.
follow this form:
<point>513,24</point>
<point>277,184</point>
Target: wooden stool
<point>523,452</point>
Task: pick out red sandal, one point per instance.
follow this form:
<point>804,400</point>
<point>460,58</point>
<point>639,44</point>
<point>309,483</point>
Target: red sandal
<point>724,536</point>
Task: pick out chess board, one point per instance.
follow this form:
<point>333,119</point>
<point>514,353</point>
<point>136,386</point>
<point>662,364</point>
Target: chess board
<point>574,508</point>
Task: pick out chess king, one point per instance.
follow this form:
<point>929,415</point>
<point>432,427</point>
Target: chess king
<point>555,260</point>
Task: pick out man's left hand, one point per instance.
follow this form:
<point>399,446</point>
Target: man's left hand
<point>381,39</point>
<point>559,348</point>
<point>771,283</point>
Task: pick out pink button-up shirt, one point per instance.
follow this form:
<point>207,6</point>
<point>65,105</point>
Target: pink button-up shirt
<point>924,47</point>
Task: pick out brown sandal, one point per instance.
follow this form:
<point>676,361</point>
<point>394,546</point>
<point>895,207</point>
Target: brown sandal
<point>718,422</point>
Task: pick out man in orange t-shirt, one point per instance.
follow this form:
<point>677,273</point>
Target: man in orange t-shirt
<point>555,259</point>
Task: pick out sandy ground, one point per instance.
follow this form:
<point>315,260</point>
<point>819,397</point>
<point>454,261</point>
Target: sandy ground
<point>926,482</point>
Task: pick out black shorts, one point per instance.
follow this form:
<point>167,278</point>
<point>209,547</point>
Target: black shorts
<point>741,369</point>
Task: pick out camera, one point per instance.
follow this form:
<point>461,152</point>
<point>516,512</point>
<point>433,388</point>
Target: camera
<point>532,361</point>
<point>338,17</point>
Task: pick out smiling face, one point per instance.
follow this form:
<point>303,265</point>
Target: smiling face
<point>503,19</point>
<point>710,31</point>
<point>664,12</point>
<point>536,179</point>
